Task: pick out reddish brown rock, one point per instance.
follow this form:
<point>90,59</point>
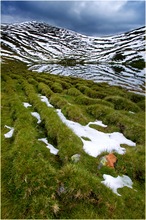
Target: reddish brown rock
<point>111,160</point>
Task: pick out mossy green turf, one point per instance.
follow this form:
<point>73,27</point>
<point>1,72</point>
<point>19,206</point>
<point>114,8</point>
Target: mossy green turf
<point>32,176</point>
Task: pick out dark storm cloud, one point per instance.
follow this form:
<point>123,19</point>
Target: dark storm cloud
<point>87,17</point>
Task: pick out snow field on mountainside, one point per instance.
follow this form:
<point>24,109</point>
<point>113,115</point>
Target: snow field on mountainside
<point>77,41</point>
<point>28,43</point>
<point>129,78</point>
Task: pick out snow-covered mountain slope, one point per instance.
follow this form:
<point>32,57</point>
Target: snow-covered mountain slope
<point>35,43</point>
<point>118,60</point>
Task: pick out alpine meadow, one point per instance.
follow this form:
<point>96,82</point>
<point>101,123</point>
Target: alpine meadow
<point>60,127</point>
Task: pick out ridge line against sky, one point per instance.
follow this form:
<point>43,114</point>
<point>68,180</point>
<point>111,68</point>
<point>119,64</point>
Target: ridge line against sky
<point>92,18</point>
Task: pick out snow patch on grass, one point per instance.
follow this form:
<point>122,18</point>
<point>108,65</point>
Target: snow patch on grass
<point>26,104</point>
<point>131,112</point>
<point>98,123</point>
<point>37,116</point>
<point>97,141</point>
<point>100,141</point>
<point>9,134</point>
<point>53,150</point>
<point>116,182</point>
<point>45,99</point>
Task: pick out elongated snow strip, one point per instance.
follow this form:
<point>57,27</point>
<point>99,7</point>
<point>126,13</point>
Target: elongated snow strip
<point>9,134</point>
<point>116,182</point>
<point>98,123</point>
<point>98,141</point>
<point>37,116</point>
<point>53,150</point>
<point>45,99</point>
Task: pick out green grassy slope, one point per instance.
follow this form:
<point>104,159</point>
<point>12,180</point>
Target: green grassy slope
<point>32,177</point>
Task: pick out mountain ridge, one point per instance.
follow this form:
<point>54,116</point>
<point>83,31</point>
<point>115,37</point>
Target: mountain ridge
<point>118,60</point>
<point>34,42</point>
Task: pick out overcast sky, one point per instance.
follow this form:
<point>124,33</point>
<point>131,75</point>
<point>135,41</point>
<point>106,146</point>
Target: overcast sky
<point>97,18</point>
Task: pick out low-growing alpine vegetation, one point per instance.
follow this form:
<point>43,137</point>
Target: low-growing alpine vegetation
<point>37,184</point>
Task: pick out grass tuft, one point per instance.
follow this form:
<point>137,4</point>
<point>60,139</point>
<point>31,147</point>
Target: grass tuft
<point>122,103</point>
